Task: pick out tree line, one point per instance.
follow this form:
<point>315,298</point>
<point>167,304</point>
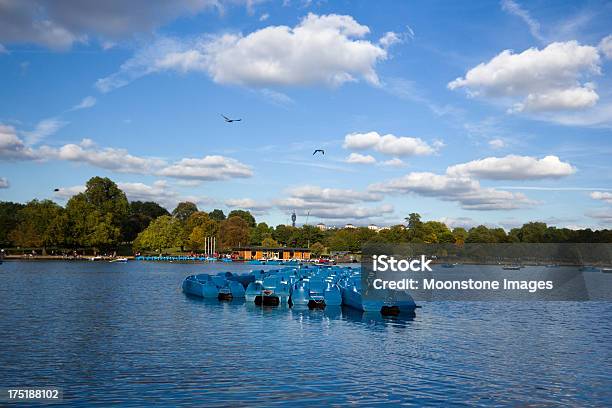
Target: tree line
<point>102,219</point>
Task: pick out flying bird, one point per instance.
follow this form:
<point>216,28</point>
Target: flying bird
<point>56,190</point>
<point>228,120</point>
<point>317,151</point>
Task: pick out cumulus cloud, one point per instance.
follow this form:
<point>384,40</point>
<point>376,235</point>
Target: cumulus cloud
<point>255,207</point>
<point>605,46</point>
<point>121,161</point>
<point>332,195</point>
<point>207,168</point>
<point>328,50</point>
<point>4,183</point>
<point>390,144</point>
<point>603,196</point>
<point>333,204</point>
<point>513,167</point>
<point>118,160</point>
<point>60,24</point>
<point>466,191</point>
<point>11,145</point>
<point>357,158</point>
<point>395,162</point>
<point>86,103</point>
<point>549,79</point>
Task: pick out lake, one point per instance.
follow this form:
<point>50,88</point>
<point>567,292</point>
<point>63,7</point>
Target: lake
<point>126,334</point>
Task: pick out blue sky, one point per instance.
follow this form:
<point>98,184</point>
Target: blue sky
<point>479,112</point>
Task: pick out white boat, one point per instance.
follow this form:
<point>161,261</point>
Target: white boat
<point>119,260</point>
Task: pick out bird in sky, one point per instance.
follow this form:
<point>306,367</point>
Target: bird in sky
<point>228,120</point>
<point>317,151</point>
<point>56,190</point>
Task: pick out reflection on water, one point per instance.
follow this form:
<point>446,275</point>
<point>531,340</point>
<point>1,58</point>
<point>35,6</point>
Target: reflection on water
<point>125,333</point>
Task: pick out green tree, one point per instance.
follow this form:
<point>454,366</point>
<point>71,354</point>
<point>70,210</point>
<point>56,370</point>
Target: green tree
<point>34,220</point>
<point>268,242</point>
<point>245,215</point>
<point>259,233</point>
<point>162,233</point>
<point>216,215</point>
<point>233,232</point>
<point>184,209</point>
<point>317,249</point>
<point>460,235</point>
<point>140,216</point>
<point>96,215</point>
<point>197,228</point>
<point>8,220</point>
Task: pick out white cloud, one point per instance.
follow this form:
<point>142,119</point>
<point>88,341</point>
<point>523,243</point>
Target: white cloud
<point>334,204</point>
<point>513,7</point>
<point>118,160</point>
<point>255,207</point>
<point>604,196</point>
<point>559,99</point>
<point>605,46</point>
<point>464,190</point>
<point>64,193</point>
<point>351,213</point>
<point>12,147</point>
<point>459,222</point>
<point>207,168</point>
<point>603,215</point>
<point>395,162</point>
<point>60,24</point>
<point>121,161</point>
<point>264,17</point>
<point>160,192</point>
<point>390,38</point>
<point>497,144</point>
<point>541,80</point>
<point>4,183</point>
<point>43,129</point>
<point>513,167</point>
<point>3,49</point>
<point>328,50</point>
<point>87,102</point>
<point>390,144</point>
<point>357,158</point>
<point>332,195</point>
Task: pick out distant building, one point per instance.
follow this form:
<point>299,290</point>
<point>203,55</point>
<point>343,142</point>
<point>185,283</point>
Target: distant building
<point>258,252</point>
<point>321,226</point>
<point>373,227</point>
<point>350,226</point>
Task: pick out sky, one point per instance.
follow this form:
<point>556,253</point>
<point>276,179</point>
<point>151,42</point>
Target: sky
<point>483,112</point>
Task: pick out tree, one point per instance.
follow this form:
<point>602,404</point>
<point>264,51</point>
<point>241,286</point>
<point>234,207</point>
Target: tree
<point>216,215</point>
<point>269,243</point>
<point>233,232</point>
<point>97,215</point>
<point>8,220</point>
<point>460,235</point>
<point>163,232</point>
<point>197,228</point>
<point>140,216</point>
<point>415,226</point>
<point>259,233</point>
<point>34,220</point>
<point>245,215</point>
<point>184,209</point>
<point>317,249</point>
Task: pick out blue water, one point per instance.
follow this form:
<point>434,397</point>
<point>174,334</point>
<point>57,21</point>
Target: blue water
<point>125,334</point>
